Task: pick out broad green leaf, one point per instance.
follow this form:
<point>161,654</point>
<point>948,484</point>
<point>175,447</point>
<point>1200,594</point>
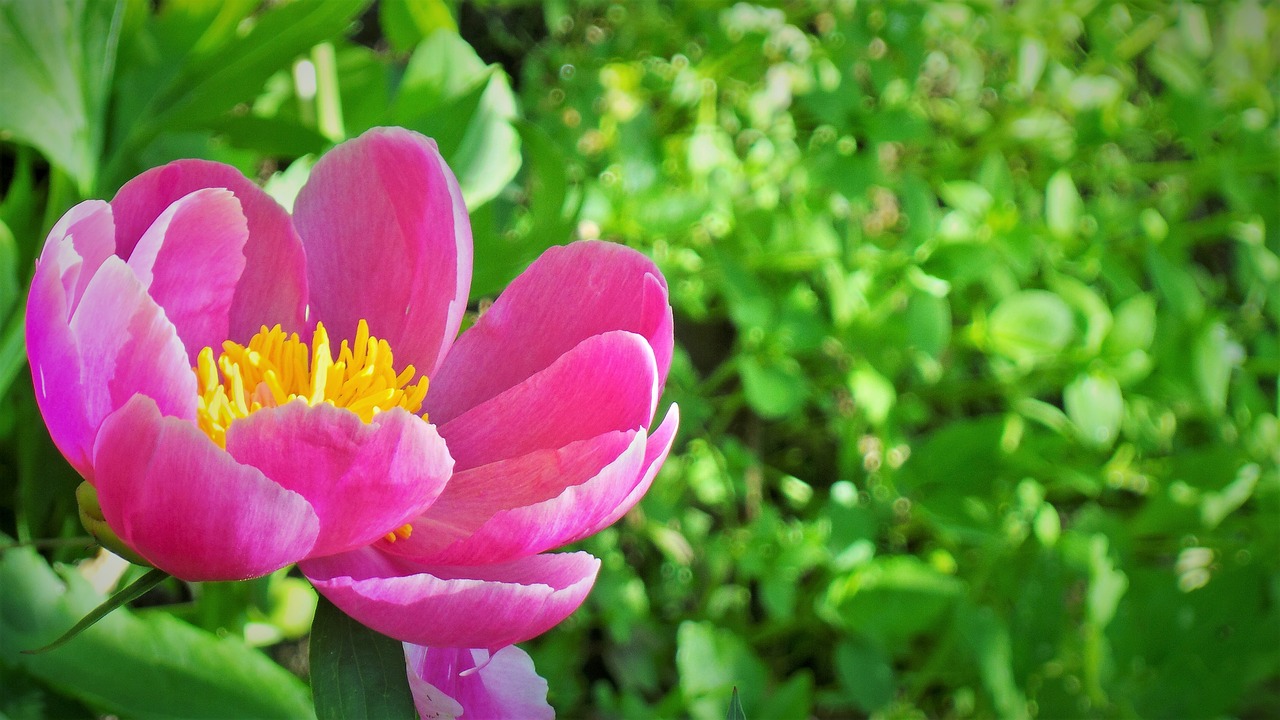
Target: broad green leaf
<point>1030,326</point>
<point>131,664</point>
<point>56,65</point>
<point>406,22</point>
<point>135,590</point>
<point>448,93</point>
<point>355,672</point>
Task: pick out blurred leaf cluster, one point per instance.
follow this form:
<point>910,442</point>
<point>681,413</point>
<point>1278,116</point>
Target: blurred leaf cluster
<point>978,315</point>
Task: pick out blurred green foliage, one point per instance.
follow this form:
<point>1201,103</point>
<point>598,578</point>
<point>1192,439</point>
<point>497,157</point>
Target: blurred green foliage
<point>978,308</point>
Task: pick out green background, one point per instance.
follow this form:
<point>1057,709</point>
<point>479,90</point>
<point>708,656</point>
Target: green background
<point>977,311</point>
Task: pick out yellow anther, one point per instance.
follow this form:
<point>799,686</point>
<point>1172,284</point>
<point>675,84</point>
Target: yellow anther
<point>401,533</point>
<point>275,368</point>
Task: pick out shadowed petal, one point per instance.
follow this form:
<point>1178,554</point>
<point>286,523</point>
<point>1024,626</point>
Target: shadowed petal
<point>447,684</point>
<point>608,382</point>
<point>185,505</point>
<point>388,239</point>
<point>190,261</point>
<point>566,296</point>
<point>362,479</point>
<point>489,606</point>
<point>273,287</point>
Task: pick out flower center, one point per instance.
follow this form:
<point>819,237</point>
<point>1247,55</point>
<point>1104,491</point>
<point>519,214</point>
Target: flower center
<point>275,368</point>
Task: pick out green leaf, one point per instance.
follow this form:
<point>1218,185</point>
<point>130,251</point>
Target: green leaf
<point>711,661</point>
<point>1214,356</point>
<point>448,93</point>
<point>356,672</point>
<point>135,590</point>
<point>1030,326</point>
<point>1062,206</point>
<point>1096,407</point>
<point>773,389</point>
<point>406,22</point>
<point>865,674</point>
<point>130,664</point>
<point>735,708</point>
<point>56,64</point>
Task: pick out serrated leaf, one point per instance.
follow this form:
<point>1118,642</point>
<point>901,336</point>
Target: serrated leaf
<point>356,673</point>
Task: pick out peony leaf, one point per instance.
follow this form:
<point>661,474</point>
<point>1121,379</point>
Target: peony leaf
<point>356,673</point>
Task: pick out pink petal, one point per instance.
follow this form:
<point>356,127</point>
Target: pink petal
<point>388,240</point>
<point>273,287</point>
<point>55,366</point>
<point>78,244</point>
<point>185,505</point>
<point>126,347</point>
<point>569,294</point>
<point>489,606</point>
<point>526,505</point>
<point>190,261</point>
<point>608,382</point>
<point>655,453</point>
<point>447,684</point>
<point>362,479</point>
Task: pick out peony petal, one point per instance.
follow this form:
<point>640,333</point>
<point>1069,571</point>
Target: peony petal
<point>127,346</point>
<point>566,296</point>
<point>526,505</point>
<point>608,382</point>
<point>655,453</point>
<point>185,505</point>
<point>453,682</point>
<point>190,261</point>
<point>363,479</point>
<point>55,367</point>
<point>273,287</point>
<point>490,606</point>
<point>78,244</point>
<point>388,240</point>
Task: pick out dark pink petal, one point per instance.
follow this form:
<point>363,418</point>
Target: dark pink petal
<point>566,296</point>
<point>78,244</point>
<point>388,240</point>
<point>126,346</point>
<point>447,684</point>
<point>526,505</point>
<point>273,287</point>
<point>608,382</point>
<point>363,479</point>
<point>190,261</point>
<point>186,506</point>
<point>489,606</point>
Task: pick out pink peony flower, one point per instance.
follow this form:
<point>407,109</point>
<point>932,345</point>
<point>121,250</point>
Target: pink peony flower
<point>243,390</point>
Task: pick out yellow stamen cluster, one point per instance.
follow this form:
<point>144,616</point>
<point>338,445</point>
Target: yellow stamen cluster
<point>275,368</point>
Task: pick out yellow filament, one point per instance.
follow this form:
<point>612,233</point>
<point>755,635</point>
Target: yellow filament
<point>275,368</point>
